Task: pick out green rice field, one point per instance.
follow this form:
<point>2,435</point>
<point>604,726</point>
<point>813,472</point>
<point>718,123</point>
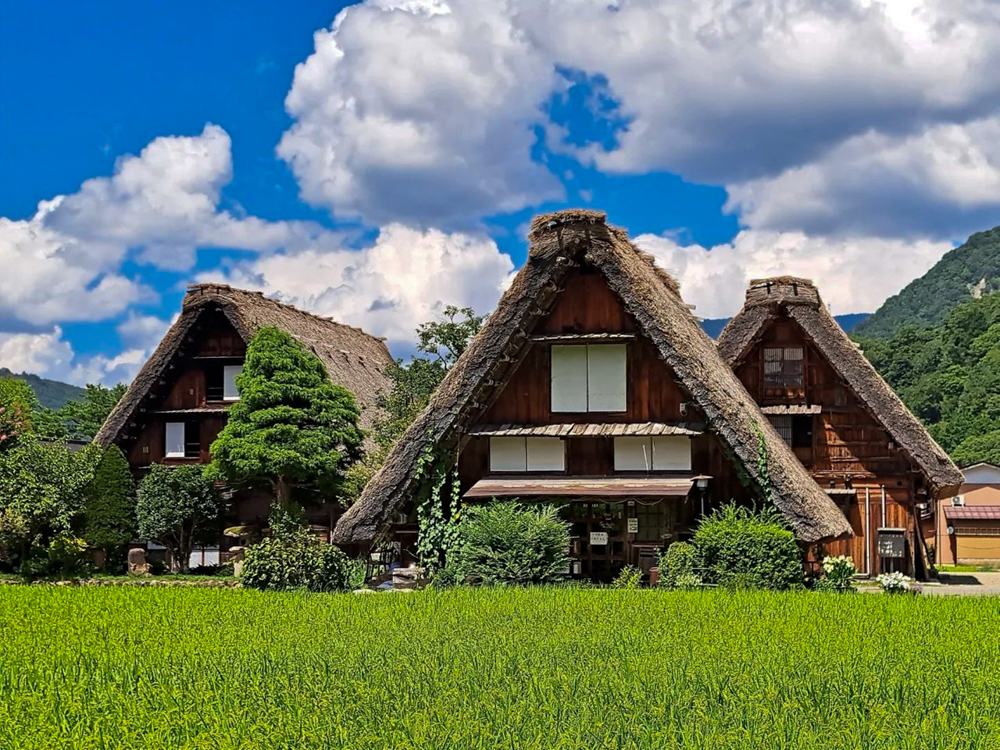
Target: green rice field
<point>543,668</point>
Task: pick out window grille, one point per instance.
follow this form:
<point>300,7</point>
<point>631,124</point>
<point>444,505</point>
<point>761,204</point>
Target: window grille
<point>783,367</point>
<point>783,424</point>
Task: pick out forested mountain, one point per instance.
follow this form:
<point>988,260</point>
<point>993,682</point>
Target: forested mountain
<point>713,326</point>
<point>964,273</point>
<point>51,394</point>
<point>949,376</point>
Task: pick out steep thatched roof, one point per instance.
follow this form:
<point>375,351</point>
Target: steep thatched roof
<point>767,299</point>
<point>353,358</point>
<point>560,241</point>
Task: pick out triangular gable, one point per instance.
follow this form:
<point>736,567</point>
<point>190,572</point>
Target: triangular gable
<point>767,299</point>
<point>559,242</point>
<point>353,358</point>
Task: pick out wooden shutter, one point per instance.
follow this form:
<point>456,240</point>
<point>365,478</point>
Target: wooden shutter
<point>229,373</point>
<point>606,377</point>
<point>508,454</point>
<point>672,453</point>
<point>174,440</point>
<point>546,454</point>
<point>569,378</point>
<point>633,453</point>
<point>783,424</point>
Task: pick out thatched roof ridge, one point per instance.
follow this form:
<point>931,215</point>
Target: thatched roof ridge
<point>353,358</point>
<point>799,299</point>
<point>558,242</point>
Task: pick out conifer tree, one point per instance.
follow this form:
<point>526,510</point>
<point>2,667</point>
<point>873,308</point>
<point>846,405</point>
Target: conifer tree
<point>291,427</point>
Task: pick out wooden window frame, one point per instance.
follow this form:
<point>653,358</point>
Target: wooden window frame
<point>527,442</point>
<point>785,379</point>
<point>589,395</point>
<point>225,382</point>
<point>792,428</point>
<point>650,450</point>
<point>167,453</point>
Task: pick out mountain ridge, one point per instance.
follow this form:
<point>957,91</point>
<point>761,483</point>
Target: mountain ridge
<point>963,273</point>
<point>50,393</point>
<point>849,321</point>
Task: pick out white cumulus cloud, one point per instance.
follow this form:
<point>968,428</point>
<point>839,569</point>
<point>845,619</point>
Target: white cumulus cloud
<point>427,112</point>
<point>405,278</point>
<point>853,275</point>
<point>421,113</point>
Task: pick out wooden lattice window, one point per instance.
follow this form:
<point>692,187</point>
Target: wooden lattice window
<point>795,430</point>
<point>783,367</point>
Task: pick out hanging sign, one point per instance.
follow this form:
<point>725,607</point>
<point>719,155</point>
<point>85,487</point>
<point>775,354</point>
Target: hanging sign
<point>633,526</point>
<point>598,538</point>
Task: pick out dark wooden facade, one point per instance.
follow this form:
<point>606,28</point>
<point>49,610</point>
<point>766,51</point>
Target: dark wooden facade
<point>843,446</point>
<point>186,394</point>
<point>588,307</point>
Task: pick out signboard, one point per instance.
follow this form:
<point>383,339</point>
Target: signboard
<point>891,543</point>
<point>598,538</point>
<point>633,526</point>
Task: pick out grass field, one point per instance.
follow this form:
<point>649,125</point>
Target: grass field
<point>553,668</point>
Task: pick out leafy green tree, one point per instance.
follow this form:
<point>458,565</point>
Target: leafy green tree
<point>949,375</point>
<point>16,400</point>
<point>109,511</point>
<point>179,508</point>
<point>742,548</point>
<point>413,384</point>
<point>41,491</point>
<point>291,427</point>
<point>82,419</point>
<point>977,449</point>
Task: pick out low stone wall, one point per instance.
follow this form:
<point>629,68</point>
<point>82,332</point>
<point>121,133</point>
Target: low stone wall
<point>222,583</point>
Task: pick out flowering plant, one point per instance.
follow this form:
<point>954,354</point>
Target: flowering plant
<point>896,583</point>
<point>838,573</point>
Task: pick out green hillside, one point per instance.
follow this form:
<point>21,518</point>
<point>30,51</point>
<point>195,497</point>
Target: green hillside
<point>962,274</point>
<point>949,376</point>
<point>51,393</point>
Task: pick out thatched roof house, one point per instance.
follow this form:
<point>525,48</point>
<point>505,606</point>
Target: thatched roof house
<point>353,358</point>
<point>559,243</point>
<point>798,299</point>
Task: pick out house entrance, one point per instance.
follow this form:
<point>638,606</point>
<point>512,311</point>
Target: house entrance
<point>607,536</point>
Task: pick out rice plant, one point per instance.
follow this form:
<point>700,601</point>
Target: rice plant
<point>495,668</point>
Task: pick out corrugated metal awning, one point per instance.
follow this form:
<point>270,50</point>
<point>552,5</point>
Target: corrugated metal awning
<point>792,409</point>
<point>687,429</point>
<point>974,513</point>
<point>667,486</point>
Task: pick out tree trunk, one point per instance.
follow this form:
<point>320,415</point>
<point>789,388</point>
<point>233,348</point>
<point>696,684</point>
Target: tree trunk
<point>283,493</point>
<point>184,552</point>
<point>283,515</point>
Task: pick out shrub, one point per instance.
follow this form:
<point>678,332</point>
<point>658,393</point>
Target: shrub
<point>65,557</point>
<point>296,560</point>
<point>507,543</point>
<point>109,507</point>
<point>629,578</point>
<point>740,548</point>
<point>680,560</point>
<point>688,582</point>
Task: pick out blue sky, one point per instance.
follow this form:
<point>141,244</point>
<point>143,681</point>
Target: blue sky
<point>395,170</point>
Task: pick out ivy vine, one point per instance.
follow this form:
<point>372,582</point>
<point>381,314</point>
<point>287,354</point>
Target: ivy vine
<point>438,507</point>
<point>762,465</point>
